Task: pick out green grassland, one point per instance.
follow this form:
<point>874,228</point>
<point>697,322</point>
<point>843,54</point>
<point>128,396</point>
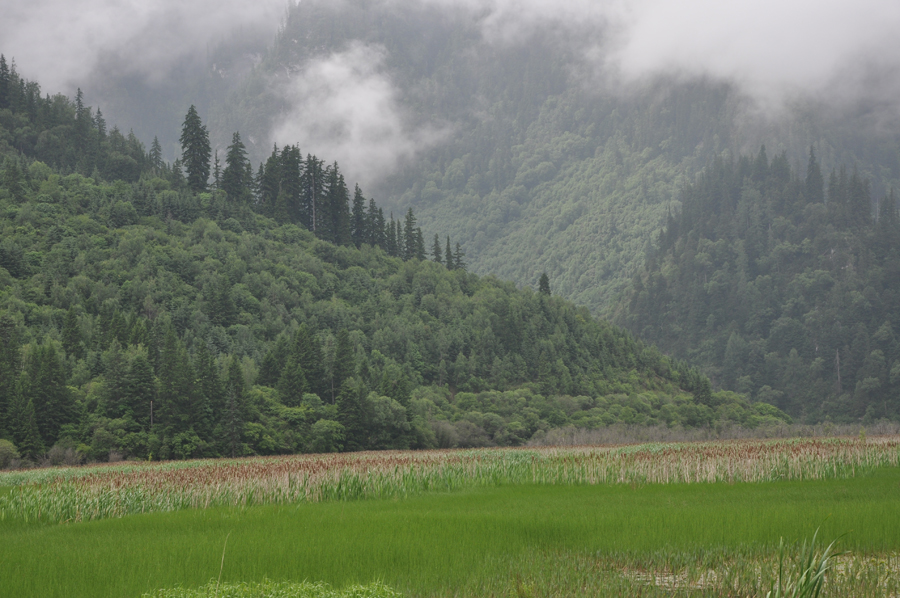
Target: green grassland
<point>502,540</point>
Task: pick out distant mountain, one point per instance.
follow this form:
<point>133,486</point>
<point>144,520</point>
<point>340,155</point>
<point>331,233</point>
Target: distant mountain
<point>544,164</point>
<point>144,314</point>
<point>784,288</point>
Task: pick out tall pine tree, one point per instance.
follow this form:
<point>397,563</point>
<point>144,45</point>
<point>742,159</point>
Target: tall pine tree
<point>195,150</point>
<point>358,229</point>
<point>234,179</point>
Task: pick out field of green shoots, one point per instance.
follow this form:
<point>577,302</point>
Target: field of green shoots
<point>700,519</point>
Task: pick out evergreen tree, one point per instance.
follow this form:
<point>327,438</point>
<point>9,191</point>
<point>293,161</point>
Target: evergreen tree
<point>220,307</point>
<point>48,393</point>
<point>292,383</point>
<point>544,284</point>
<point>436,250</point>
<point>71,335</point>
<point>4,83</point>
<point>258,187</point>
<point>155,156</point>
<point>140,391</point>
<point>290,177</point>
<point>419,252</point>
<point>10,366</point>
<point>83,122</point>
<point>838,198</point>
<point>195,150</point>
<point>210,387</point>
<point>335,226</point>
<point>448,256</point>
<point>344,360</point>
<point>269,184</point>
<point>391,241</point>
<point>352,415</point>
<point>307,351</point>
<point>178,405</point>
<point>217,172</point>
<point>358,229</point>
<point>375,226</point>
<point>859,201</point>
<point>815,184</point>
<point>761,166</point>
<point>100,125</point>
<point>313,193</point>
<point>409,235</point>
<point>401,244</point>
<point>249,182</point>
<point>273,363</point>
<point>115,374</point>
<point>459,262</point>
<point>23,421</point>
<point>234,179</point>
<point>12,179</point>
<point>177,176</point>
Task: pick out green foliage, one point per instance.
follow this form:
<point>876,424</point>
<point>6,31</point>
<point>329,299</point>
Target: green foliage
<point>8,453</point>
<point>551,169</point>
<point>782,292</point>
<point>147,318</point>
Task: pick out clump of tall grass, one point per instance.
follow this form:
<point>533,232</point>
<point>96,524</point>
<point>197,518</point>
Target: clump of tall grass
<point>98,493</point>
<point>271,589</point>
<point>810,571</point>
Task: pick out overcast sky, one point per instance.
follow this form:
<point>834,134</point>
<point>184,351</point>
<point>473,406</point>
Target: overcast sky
<point>60,43</point>
<point>772,47</point>
<point>831,50</point>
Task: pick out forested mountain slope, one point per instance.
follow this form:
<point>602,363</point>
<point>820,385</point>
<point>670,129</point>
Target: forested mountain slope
<point>785,288</point>
<point>146,315</point>
<point>545,165</point>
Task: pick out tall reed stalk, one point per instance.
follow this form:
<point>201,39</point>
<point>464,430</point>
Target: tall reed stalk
<point>102,492</point>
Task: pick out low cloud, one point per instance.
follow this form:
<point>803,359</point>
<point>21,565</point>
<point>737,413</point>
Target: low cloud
<point>62,43</point>
<point>344,107</point>
<point>776,50</point>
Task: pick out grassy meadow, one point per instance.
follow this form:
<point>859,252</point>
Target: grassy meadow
<point>689,519</point>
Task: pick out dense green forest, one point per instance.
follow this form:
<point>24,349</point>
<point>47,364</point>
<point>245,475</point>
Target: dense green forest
<point>149,311</point>
<point>785,288</point>
<point>548,166</point>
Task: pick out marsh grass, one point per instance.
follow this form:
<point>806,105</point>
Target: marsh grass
<point>533,539</point>
<point>810,570</point>
<point>75,495</point>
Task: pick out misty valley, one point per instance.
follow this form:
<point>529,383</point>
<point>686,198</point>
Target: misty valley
<point>432,298</point>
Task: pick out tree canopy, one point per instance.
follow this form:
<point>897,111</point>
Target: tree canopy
<point>785,289</point>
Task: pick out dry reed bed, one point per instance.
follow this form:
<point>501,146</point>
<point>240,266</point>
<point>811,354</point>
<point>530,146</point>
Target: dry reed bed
<point>98,493</point>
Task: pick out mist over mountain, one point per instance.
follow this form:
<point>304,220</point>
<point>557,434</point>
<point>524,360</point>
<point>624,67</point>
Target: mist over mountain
<point>140,62</point>
<point>557,138</point>
<point>545,136</point>
<point>554,139</point>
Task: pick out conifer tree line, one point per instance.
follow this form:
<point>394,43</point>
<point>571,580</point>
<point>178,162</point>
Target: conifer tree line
<point>305,191</point>
<point>65,134</point>
<point>73,137</point>
<point>163,316</point>
<point>786,287</point>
